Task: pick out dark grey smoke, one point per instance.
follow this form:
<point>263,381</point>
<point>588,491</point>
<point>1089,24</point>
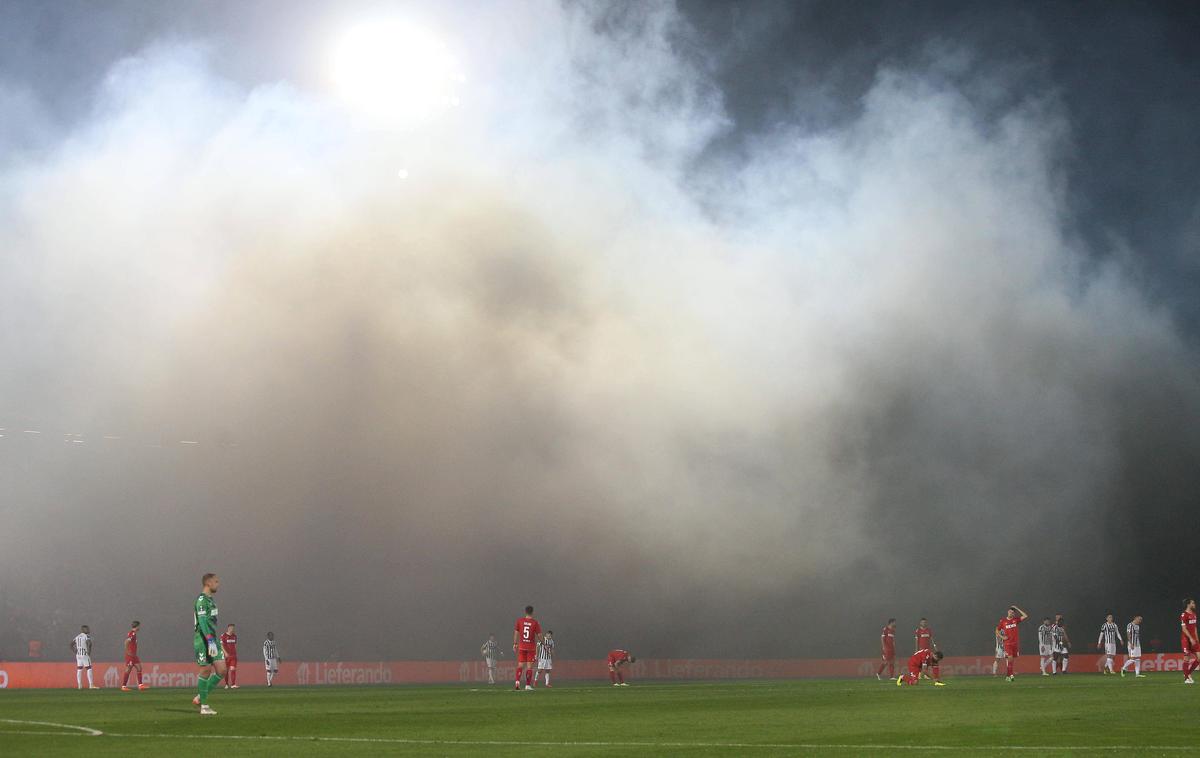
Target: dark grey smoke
<point>686,372</point>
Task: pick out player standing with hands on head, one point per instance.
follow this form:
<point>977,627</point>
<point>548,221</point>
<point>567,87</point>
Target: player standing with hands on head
<point>1188,641</point>
<point>132,661</point>
<point>81,646</point>
<point>1007,630</point>
<point>209,656</point>
<point>229,647</point>
<point>527,633</point>
<point>887,650</point>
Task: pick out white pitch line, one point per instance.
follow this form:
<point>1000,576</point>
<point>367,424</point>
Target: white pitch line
<point>81,731</point>
<point>699,745</point>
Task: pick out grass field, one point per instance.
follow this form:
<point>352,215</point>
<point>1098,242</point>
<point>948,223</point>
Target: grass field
<point>1079,714</point>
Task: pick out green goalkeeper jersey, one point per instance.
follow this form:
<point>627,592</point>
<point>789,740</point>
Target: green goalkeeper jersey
<point>205,613</point>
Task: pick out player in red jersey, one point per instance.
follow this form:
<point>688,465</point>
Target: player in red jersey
<point>1188,640</point>
<point>920,660</point>
<point>617,661</point>
<point>527,633</point>
<point>923,638</point>
<point>132,661</point>
<point>887,650</point>
<point>229,646</point>
<point>1007,631</point>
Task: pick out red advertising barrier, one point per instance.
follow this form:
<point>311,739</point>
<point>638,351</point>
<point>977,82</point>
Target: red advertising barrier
<point>308,673</point>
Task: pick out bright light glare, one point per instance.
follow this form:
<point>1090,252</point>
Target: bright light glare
<point>394,71</point>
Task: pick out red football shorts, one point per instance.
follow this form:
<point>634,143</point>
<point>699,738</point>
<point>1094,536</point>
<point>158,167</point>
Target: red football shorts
<point>1011,651</point>
<point>1186,645</point>
<point>230,663</point>
<point>526,655</point>
<point>889,656</point>
<point>132,660</point>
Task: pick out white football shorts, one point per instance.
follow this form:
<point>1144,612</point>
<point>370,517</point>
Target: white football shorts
<point>272,664</point>
<point>1110,648</point>
<point>545,663</point>
<point>1135,651</point>
<point>83,661</point>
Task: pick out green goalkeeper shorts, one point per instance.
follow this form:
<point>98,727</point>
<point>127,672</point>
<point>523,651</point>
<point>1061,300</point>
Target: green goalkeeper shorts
<point>200,647</point>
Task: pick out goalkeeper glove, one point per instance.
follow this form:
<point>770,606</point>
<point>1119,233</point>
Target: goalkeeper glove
<point>212,649</point>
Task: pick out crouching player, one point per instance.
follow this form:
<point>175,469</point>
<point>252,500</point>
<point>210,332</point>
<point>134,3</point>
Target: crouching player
<point>921,660</point>
<point>617,661</point>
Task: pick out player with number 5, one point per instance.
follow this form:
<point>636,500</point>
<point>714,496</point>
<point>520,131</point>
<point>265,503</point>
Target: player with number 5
<point>527,633</point>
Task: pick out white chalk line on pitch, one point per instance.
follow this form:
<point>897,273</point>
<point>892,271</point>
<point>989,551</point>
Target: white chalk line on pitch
<point>89,732</point>
<point>79,731</point>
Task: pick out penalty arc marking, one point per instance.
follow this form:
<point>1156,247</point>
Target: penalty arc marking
<point>76,731</point>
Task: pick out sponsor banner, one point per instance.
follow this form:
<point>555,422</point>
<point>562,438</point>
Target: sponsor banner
<point>312,674</point>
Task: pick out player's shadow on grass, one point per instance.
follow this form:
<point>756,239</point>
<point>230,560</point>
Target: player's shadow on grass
<point>191,711</point>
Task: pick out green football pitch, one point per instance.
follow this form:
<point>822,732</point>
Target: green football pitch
<point>1078,714</point>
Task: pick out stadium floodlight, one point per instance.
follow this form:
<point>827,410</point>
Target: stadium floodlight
<point>394,71</point>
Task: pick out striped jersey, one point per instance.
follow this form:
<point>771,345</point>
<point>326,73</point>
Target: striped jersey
<point>1109,633</point>
<point>546,648</point>
<point>1133,635</point>
<point>270,653</point>
<point>490,649</point>
<point>1056,632</point>
<point>1046,636</point>
<point>82,640</point>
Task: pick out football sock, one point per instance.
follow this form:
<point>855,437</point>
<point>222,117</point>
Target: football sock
<point>270,677</point>
<point>139,676</point>
<point>1043,664</point>
<point>202,689</point>
<point>1009,667</point>
<point>613,676</point>
<point>90,682</point>
<point>78,677</point>
<point>937,673</point>
<point>995,666</point>
<point>1137,665</point>
<point>547,678</point>
<point>214,681</point>
<point>620,677</point>
<point>528,677</point>
<point>1065,662</point>
<point>125,679</point>
<point>1053,666</point>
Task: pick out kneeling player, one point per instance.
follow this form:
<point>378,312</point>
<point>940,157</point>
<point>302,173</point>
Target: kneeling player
<point>919,661</point>
<point>617,661</point>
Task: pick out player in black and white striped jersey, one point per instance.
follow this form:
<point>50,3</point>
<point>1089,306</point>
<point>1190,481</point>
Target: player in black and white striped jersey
<point>999,656</point>
<point>490,650</point>
<point>1046,646</point>
<point>1110,635</point>
<point>271,657</point>
<point>545,656</point>
<point>1062,643</point>
<point>81,646</point>
<point>1133,647</point>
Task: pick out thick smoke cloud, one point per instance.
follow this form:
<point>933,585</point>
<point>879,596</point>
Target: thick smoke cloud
<point>574,359</point>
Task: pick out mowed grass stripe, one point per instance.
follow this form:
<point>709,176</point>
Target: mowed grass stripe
<point>1069,715</point>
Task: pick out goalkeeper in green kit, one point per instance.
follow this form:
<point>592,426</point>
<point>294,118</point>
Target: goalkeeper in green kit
<point>208,651</point>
